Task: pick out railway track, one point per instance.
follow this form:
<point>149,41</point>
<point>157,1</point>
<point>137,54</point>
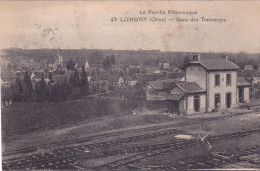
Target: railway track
<point>170,148</point>
<point>68,161</point>
<point>213,161</point>
<point>105,135</point>
<point>83,149</point>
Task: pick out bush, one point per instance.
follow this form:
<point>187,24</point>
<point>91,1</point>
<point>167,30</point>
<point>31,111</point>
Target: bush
<point>74,94</point>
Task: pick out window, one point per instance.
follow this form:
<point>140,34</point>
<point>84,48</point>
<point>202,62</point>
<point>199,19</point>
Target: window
<point>217,80</point>
<point>228,79</point>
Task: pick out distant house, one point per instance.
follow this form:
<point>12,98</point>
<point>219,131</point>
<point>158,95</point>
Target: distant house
<point>61,79</point>
<point>153,77</point>
<point>103,77</point>
<point>132,82</point>
<point>243,90</point>
<point>121,81</point>
<point>155,70</point>
<point>174,69</point>
<point>58,71</point>
<point>36,77</point>
<point>114,77</point>
<point>78,67</point>
<point>149,69</point>
<point>164,65</point>
<point>6,93</point>
<point>248,67</point>
<point>253,76</point>
<point>157,90</point>
<point>171,74</point>
<point>135,79</point>
<point>57,79</point>
<point>134,66</point>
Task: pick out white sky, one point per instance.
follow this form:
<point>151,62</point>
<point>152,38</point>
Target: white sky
<point>87,24</point>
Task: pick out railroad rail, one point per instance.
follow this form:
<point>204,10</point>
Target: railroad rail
<point>212,161</point>
<point>105,135</point>
<point>69,159</point>
<point>172,147</point>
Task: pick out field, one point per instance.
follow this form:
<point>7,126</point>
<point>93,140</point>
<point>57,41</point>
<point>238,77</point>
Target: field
<point>25,117</point>
<point>20,118</point>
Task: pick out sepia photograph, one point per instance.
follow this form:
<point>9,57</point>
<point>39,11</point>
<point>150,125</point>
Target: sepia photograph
<point>130,85</point>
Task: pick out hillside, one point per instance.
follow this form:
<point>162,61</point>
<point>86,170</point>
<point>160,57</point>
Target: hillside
<point>124,56</point>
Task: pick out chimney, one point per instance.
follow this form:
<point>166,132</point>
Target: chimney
<point>196,58</point>
<point>225,57</point>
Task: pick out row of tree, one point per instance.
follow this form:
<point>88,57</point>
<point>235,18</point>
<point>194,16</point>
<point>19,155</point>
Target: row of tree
<point>22,89</point>
<point>49,90</point>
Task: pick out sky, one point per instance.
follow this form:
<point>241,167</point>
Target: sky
<point>88,25</point>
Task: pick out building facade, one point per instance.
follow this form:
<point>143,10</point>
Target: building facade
<point>210,84</point>
<point>218,77</point>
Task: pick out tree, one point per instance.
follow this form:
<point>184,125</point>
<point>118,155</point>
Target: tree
<point>156,62</point>
<point>27,88</point>
<point>50,78</point>
<point>73,80</point>
<point>106,64</point>
<point>17,90</point>
<point>50,87</point>
<point>59,92</point>
<point>71,65</point>
<point>95,59</point>
<point>84,82</point>
<point>112,59</point>
<point>76,78</point>
<point>186,61</point>
<point>40,89</point>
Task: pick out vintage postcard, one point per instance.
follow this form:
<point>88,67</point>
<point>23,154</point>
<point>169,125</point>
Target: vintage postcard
<point>130,85</point>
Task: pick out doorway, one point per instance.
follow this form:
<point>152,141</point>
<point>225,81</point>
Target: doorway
<point>241,95</point>
<point>217,101</point>
<point>196,103</point>
<point>228,100</point>
<point>172,106</point>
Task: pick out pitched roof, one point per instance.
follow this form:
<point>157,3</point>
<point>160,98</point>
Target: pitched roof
<point>174,96</point>
<point>136,76</point>
<point>164,84</point>
<point>215,64</point>
<point>153,76</point>
<point>241,81</point>
<point>190,87</point>
<point>250,73</point>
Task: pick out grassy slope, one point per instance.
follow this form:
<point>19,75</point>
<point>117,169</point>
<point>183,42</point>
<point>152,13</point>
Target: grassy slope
<point>28,117</point>
<point>22,117</point>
